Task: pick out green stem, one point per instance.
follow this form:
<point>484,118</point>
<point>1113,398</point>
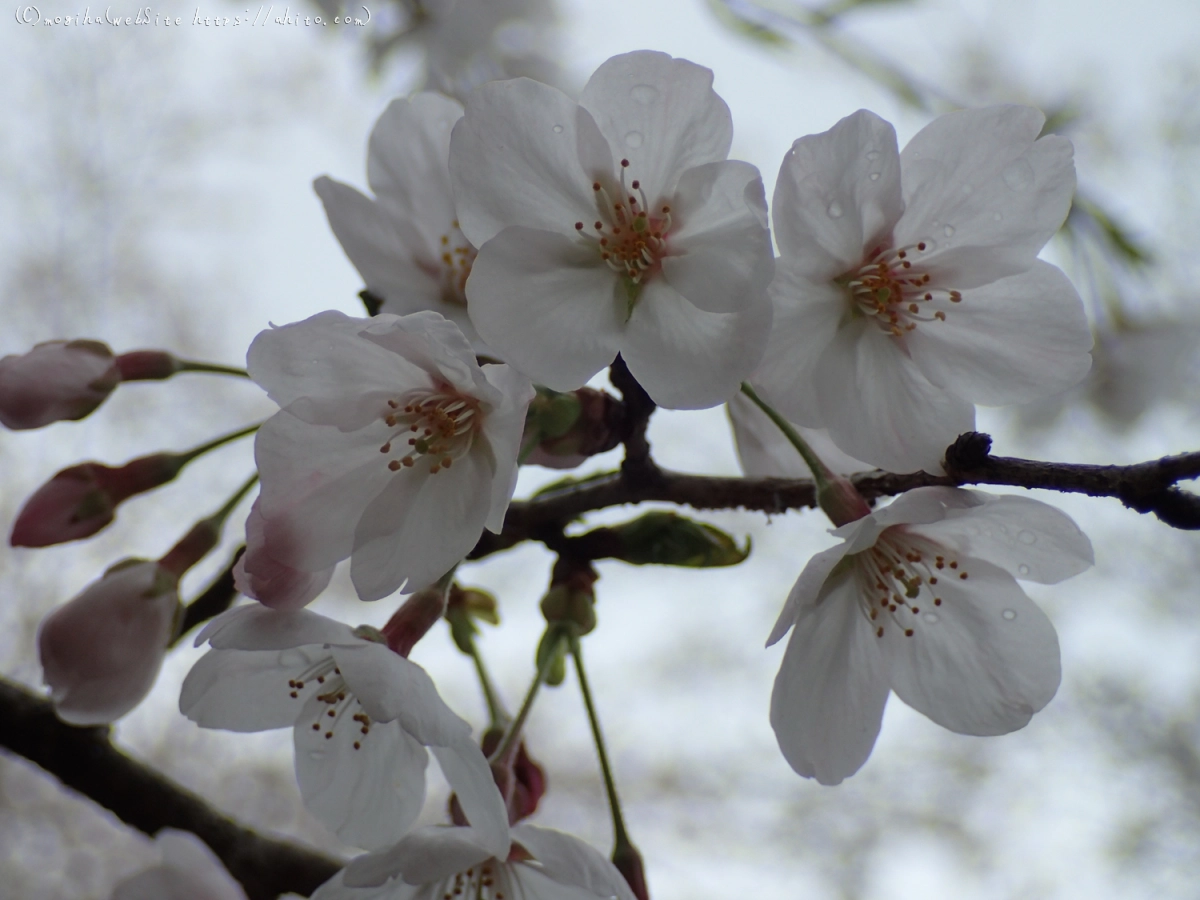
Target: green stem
<point>822,476</point>
<point>610,786</point>
<point>512,737</point>
<point>188,455</point>
<point>499,718</point>
<point>187,365</point>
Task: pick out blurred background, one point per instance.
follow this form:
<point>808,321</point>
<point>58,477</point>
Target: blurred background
<point>156,188</point>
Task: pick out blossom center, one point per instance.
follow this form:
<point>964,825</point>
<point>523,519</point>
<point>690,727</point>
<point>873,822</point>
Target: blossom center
<point>893,287</point>
<point>487,881</point>
<point>453,266</point>
<point>900,576</point>
<point>435,426</point>
<point>629,233</point>
<point>336,700</point>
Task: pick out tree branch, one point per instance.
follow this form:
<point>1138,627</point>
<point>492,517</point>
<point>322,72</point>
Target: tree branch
<point>85,760</point>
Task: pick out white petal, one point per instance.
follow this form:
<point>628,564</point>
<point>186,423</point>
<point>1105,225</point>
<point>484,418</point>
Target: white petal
<point>807,589</point>
<point>879,408</point>
<point>764,452</point>
<point>829,695</point>
<point>198,868</point>
<point>977,178</point>
<point>256,627</point>
<point>988,662</point>
<point>1025,537</point>
<point>434,344</point>
<point>336,889</point>
<point>1014,340</point>
<point>720,253</point>
<point>659,113</point>
<point>256,574</point>
<point>502,429</point>
<point>689,359</point>
<point>421,525</point>
<point>470,777</point>
<point>548,304</point>
<point>571,862</point>
<point>369,796</point>
<point>391,688</point>
<point>427,855</point>
<point>509,166</point>
<point>838,195</point>
<point>806,315</point>
<point>247,690</point>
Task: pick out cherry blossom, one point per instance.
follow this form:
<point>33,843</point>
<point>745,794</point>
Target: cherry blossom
<point>189,871</point>
<point>909,287</point>
<point>615,225</point>
<point>920,599</point>
<point>361,715</point>
<point>101,652</point>
<point>406,242</point>
<point>55,381</point>
<point>393,447</point>
<point>443,861</point>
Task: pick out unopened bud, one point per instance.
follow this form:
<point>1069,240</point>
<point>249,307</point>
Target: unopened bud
<point>147,365</point>
<point>463,607</point>
<point>840,500</point>
<point>528,778</point>
<point>571,427</point>
<point>412,621</point>
<point>80,500</point>
<point>101,652</point>
<point>668,539</point>
<point>55,381</point>
<point>571,599</point>
<point>628,861</point>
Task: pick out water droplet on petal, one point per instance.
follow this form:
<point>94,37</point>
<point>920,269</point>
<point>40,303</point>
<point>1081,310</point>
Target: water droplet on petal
<point>644,93</point>
<point>634,139</point>
<point>997,217</point>
<point>558,129</point>
<point>316,754</point>
<point>874,176</point>
<point>1018,175</point>
<point>1009,614</point>
<point>1028,538</point>
<point>873,155</point>
<point>948,231</point>
<point>835,210</point>
<point>931,617</point>
<point>1023,570</point>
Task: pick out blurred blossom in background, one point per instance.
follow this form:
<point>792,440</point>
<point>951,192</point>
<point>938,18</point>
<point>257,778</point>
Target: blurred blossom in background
<point>157,185</point>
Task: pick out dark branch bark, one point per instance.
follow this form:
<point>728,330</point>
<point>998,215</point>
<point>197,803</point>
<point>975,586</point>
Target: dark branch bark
<point>1149,487</point>
<point>84,760</point>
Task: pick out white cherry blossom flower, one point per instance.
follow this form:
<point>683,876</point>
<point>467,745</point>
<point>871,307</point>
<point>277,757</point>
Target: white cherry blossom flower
<point>615,225</point>
<point>406,242</point>
<point>909,287</point>
<point>439,861</point>
<point>361,715</point>
<point>393,447</point>
<point>920,599</point>
<point>188,871</point>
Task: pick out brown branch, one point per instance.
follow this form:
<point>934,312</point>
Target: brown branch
<point>85,760</point>
<point>1149,487</point>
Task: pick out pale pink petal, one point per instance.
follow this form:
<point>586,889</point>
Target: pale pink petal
<point>827,704</point>
<point>978,178</point>
<point>470,777</point>
<point>659,113</point>
<point>1014,340</point>
<point>247,690</point>
<point>1025,537</point>
<point>255,627</point>
<point>369,795</point>
<point>689,359</point>
<point>548,305</point>
<point>503,429</point>
<point>879,408</point>
<point>808,589</point>
<point>420,525</point>
<point>720,252</point>
<point>571,862</point>
<point>256,574</point>
<point>55,381</point>
<point>838,195</point>
<point>514,161</point>
<point>983,662</point>
<point>391,688</point>
<point>337,889</point>
<point>426,855</point>
<point>806,316</point>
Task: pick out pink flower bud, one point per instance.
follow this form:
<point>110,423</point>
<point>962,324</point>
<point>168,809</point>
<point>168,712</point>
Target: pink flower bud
<point>54,381</point>
<point>81,500</point>
<point>101,652</point>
